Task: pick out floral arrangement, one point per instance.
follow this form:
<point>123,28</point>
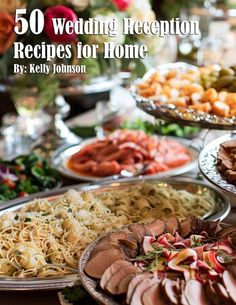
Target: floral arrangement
<point>72,10</point>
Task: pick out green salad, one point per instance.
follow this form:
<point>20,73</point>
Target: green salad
<point>162,128</point>
<point>25,175</point>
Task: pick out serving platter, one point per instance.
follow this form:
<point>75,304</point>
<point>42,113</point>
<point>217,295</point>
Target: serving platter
<point>100,295</point>
<point>182,116</point>
<point>61,156</point>
<point>207,164</point>
<point>90,284</point>
<point>219,212</point>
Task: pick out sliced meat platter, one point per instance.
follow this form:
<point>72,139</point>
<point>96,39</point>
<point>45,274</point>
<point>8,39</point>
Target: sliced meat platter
<point>226,161</point>
<point>191,262</point>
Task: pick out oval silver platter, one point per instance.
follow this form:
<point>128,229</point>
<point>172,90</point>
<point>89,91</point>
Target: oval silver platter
<point>173,114</point>
<point>207,164</point>
<point>62,154</point>
<point>219,211</point>
<point>90,284</point>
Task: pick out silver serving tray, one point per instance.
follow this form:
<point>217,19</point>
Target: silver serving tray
<point>173,114</point>
<point>207,164</point>
<point>219,212</point>
<point>60,157</point>
<point>90,284</point>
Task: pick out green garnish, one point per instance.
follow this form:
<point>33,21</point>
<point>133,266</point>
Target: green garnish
<point>27,219</point>
<point>224,255</point>
<point>196,242</point>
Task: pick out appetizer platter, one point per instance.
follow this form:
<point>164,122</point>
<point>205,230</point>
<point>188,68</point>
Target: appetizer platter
<point>56,226</point>
<point>165,262</point>
<point>184,94</point>
<point>126,153</point>
<point>216,165</point>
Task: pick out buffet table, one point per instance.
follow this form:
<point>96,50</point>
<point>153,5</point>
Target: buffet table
<point>51,297</point>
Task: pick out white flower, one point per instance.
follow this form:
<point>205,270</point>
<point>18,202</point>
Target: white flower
<point>79,5</point>
<point>154,43</point>
<point>118,38</point>
<point>143,15</point>
<point>141,10</point>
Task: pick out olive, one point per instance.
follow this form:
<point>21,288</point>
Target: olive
<point>226,72</point>
<point>233,68</point>
<point>224,82</point>
<point>232,88</point>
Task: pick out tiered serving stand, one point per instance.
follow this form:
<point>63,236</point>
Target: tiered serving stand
<point>184,116</point>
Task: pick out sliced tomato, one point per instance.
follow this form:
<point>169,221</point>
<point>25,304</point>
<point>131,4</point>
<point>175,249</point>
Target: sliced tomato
<point>210,258</point>
<point>19,167</point>
<point>11,184</point>
<point>39,164</point>
<point>23,177</point>
<point>23,194</point>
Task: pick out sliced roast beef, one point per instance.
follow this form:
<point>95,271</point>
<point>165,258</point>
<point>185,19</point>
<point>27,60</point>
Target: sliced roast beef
<point>185,226</point>
<point>139,231</point>
<point>97,265</point>
<point>110,241</point>
<point>134,283</point>
<point>182,298</point>
<point>169,290</point>
<point>226,161</point>
<point>221,292</point>
<point>195,294</point>
<point>227,232</point>
<point>229,145</point>
<point>211,293</point>
<point>172,224</point>
<point>111,270</point>
<point>232,269</point>
<point>112,285</point>
<point>123,285</point>
<point>153,295</point>
<point>157,227</point>
<point>230,175</point>
<point>104,246</point>
<point>222,154</point>
<point>129,254</point>
<point>225,165</point>
<point>198,226</point>
<point>136,298</point>
<point>131,244</point>
<point>214,228</point>
<point>230,285</point>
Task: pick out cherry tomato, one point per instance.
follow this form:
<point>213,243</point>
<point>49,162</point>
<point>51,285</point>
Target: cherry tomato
<point>40,164</point>
<point>23,194</point>
<point>19,167</point>
<point>11,184</point>
<point>23,177</point>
